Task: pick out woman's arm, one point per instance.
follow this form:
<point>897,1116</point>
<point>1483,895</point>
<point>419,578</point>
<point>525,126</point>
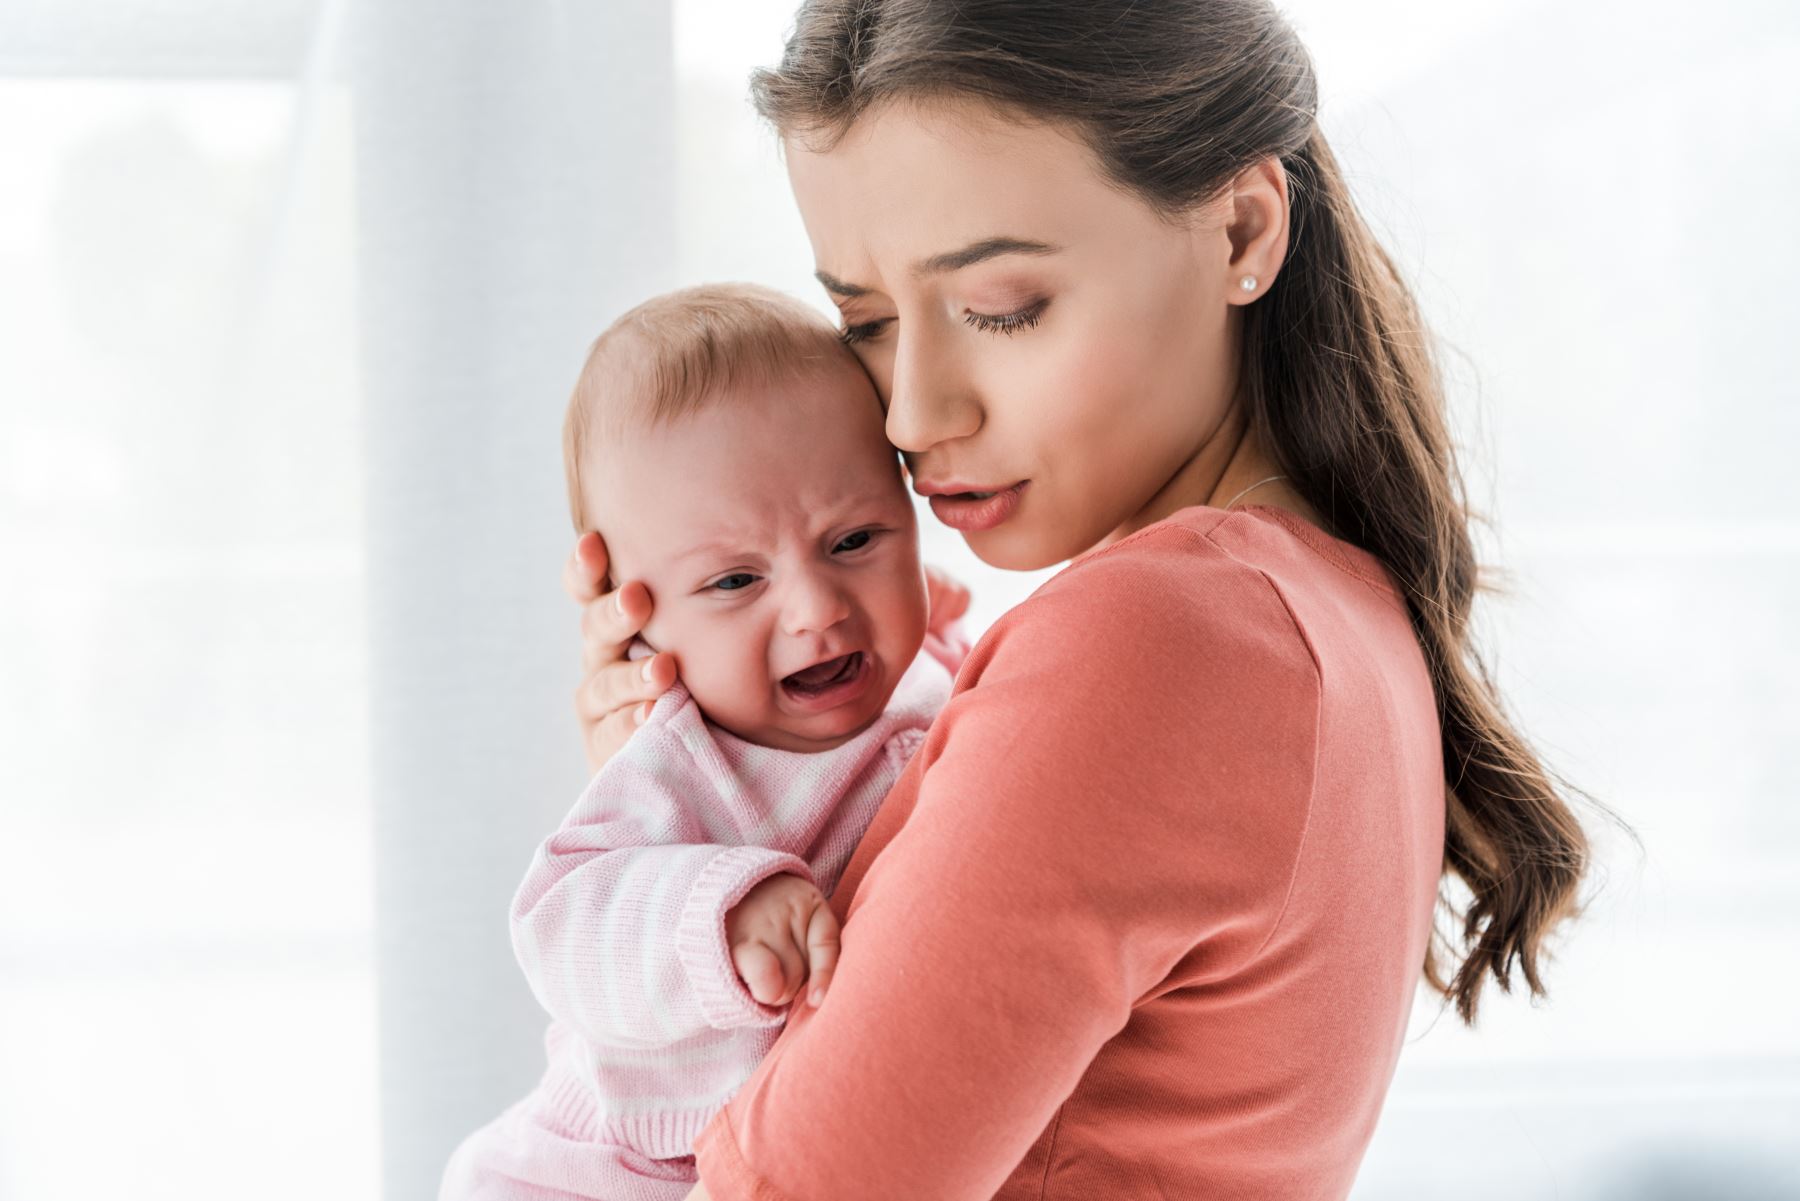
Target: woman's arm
<point>1119,784</point>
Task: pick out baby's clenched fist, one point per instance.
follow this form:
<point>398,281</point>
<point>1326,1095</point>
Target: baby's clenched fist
<point>780,934</point>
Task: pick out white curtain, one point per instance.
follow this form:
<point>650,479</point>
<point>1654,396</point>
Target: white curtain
<point>291,297</point>
<point>293,301</point>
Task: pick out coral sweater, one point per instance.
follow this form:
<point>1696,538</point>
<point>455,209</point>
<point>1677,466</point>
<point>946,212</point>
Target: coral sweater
<point>1145,916</point>
<point>619,923</point>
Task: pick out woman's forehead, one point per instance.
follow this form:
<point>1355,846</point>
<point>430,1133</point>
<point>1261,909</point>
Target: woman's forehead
<point>909,184</point>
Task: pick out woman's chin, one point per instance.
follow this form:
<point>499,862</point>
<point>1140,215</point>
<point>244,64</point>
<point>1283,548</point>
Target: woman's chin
<point>1007,550</point>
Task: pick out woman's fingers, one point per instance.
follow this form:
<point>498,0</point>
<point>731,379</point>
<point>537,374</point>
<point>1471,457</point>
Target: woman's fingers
<point>584,574</point>
<point>602,739</point>
<point>609,622</point>
<point>620,685</point>
<point>616,700</point>
<point>616,694</point>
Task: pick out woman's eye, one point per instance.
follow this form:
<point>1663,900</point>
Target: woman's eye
<point>719,585</point>
<point>851,334</point>
<point>1007,323</point>
<point>865,535</point>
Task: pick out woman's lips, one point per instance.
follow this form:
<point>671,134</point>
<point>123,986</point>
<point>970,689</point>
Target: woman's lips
<point>966,513</point>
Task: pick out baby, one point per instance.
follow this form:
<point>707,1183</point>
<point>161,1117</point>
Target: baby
<point>730,450</point>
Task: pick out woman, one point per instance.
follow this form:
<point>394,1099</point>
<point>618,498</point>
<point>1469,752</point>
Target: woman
<point>1144,916</point>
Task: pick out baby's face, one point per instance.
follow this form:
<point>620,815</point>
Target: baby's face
<point>775,533</point>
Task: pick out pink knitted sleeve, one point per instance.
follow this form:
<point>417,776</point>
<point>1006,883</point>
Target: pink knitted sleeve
<point>619,923</point>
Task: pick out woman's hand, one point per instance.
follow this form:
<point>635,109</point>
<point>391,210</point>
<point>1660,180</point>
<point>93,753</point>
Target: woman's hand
<point>616,694</point>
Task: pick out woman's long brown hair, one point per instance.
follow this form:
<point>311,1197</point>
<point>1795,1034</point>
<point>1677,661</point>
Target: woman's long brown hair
<point>1176,98</point>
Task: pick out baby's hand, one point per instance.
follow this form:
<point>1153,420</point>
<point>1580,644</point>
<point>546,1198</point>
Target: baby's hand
<point>782,931</point>
<point>947,600</point>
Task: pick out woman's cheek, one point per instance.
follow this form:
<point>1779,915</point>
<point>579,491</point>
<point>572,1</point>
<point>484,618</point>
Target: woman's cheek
<point>1084,395</point>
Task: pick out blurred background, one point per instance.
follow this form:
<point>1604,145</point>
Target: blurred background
<point>291,299</point>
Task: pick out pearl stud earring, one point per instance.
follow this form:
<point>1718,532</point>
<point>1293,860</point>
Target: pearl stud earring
<point>1248,283</point>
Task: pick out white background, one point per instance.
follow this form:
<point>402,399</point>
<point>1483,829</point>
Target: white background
<point>290,301</point>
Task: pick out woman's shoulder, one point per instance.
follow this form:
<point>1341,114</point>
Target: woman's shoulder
<point>1158,687</point>
<point>1260,540</point>
<point>1172,602</point>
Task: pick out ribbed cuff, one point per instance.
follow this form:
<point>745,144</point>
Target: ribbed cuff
<point>700,934</point>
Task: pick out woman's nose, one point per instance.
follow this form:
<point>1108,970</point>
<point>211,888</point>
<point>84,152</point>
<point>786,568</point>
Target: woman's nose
<point>930,396</point>
<point>813,603</point>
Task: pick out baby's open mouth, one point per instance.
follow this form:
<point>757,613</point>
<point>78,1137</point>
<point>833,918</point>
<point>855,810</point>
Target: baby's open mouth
<point>821,677</point>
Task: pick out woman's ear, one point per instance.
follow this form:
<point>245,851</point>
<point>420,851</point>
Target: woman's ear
<point>1257,227</point>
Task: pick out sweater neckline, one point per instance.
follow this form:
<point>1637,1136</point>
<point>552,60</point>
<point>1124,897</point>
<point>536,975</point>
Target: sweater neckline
<point>1363,564</point>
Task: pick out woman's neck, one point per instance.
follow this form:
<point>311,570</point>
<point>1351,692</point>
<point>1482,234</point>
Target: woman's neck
<point>1247,480</point>
<point>1232,467</point>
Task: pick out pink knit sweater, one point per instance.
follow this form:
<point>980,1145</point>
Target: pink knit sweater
<point>620,921</point>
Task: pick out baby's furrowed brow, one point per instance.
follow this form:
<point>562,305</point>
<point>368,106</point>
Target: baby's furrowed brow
<point>727,547</point>
<point>870,512</point>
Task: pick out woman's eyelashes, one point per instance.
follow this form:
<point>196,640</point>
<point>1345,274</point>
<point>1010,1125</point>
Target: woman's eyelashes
<point>849,335</point>
<point>1000,323</point>
<point>725,583</point>
<point>1007,323</point>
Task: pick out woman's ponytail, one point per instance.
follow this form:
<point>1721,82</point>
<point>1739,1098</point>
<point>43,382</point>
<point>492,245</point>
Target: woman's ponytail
<point>1341,382</point>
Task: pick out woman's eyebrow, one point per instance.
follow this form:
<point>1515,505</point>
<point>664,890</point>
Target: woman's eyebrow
<point>950,260</point>
<point>838,287</point>
<point>977,252</point>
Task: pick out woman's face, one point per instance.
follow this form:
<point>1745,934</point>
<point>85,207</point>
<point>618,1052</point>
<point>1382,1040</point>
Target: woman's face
<point>1025,319</point>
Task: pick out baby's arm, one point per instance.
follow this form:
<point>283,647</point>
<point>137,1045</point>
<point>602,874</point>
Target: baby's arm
<point>619,923</point>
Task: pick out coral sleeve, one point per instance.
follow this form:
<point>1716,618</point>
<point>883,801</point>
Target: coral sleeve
<point>1119,784</point>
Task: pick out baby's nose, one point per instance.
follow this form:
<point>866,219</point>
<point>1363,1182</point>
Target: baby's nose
<point>814,603</point>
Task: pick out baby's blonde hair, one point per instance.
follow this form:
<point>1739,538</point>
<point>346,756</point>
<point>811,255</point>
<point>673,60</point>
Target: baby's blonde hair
<point>676,354</point>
